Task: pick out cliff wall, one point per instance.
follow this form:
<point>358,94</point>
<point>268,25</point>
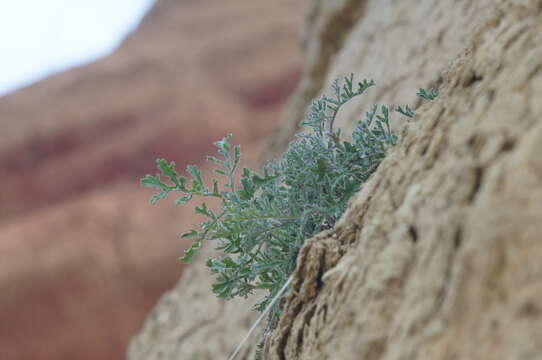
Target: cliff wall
<point>439,256</point>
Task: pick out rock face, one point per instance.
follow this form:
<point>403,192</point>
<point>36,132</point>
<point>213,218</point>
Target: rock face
<point>83,256</point>
<point>439,256</point>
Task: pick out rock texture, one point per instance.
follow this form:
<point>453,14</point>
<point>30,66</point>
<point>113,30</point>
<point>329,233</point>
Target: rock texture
<point>439,256</point>
<point>83,256</point>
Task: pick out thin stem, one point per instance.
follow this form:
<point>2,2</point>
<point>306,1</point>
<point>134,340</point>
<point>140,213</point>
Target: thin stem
<point>257,322</point>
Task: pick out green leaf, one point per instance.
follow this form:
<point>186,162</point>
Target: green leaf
<point>160,195</point>
<point>183,199</point>
<point>196,173</point>
<point>236,156</point>
<point>167,169</point>
<point>222,289</point>
<point>266,285</point>
<point>228,262</point>
<point>189,253</point>
<point>216,192</point>
<point>385,112</point>
<point>215,160</point>
<point>428,95</point>
<point>189,234</point>
<point>248,189</point>
<point>203,210</point>
<point>322,166</point>
<point>406,111</point>
<point>153,182</point>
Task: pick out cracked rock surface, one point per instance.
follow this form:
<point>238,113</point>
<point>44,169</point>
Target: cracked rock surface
<point>439,256</point>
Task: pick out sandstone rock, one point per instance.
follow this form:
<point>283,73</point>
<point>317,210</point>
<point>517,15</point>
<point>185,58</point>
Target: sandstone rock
<point>82,254</point>
<point>439,256</point>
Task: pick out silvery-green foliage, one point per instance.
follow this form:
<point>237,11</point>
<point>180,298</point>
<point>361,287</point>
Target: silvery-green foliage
<point>427,95</point>
<point>265,217</point>
<point>407,111</point>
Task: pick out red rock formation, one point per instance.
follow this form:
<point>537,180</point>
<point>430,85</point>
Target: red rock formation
<point>82,254</point>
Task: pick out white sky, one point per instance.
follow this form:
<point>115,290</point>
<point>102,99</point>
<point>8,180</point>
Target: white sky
<point>41,37</point>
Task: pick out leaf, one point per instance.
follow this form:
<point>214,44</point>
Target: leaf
<point>196,173</point>
<point>222,289</point>
<point>216,192</point>
<point>189,234</point>
<point>228,262</point>
<point>167,169</point>
<point>384,110</point>
<point>183,199</point>
<point>349,147</point>
<point>248,189</point>
<point>428,95</point>
<point>160,195</point>
<point>190,252</point>
<point>215,160</point>
<point>322,166</point>
<point>153,182</point>
<point>406,111</point>
<point>236,156</point>
<point>203,210</point>
<point>265,285</point>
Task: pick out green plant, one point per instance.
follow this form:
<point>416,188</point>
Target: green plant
<point>427,95</point>
<point>264,218</point>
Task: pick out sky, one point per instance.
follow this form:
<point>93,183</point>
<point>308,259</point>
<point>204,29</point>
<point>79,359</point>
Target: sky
<point>42,37</point>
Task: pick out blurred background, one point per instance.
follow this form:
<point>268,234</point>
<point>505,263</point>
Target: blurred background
<point>91,93</point>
